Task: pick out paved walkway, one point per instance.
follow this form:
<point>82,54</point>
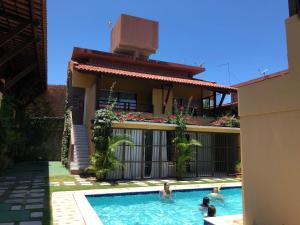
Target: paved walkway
<point>79,181</point>
<point>23,200</point>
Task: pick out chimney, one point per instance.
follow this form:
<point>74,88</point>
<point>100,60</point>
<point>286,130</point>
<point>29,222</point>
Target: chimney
<point>134,36</point>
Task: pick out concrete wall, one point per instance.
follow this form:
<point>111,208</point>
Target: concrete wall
<point>270,128</point>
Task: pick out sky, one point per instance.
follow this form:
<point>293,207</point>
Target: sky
<point>235,40</point>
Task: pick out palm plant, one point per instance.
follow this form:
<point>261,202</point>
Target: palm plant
<point>184,146</point>
<point>184,150</point>
<point>104,160</point>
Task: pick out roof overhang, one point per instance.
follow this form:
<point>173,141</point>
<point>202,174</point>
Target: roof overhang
<point>101,70</point>
<point>81,54</point>
<point>23,48</point>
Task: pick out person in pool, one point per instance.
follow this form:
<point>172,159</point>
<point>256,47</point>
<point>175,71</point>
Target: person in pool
<point>166,193</point>
<point>215,194</point>
<point>204,206</point>
<point>211,211</point>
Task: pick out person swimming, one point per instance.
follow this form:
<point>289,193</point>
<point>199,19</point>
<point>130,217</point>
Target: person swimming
<point>166,193</point>
<point>211,211</point>
<point>215,194</point>
<point>204,206</point>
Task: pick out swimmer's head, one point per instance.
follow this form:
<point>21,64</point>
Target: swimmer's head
<point>205,201</point>
<point>215,190</point>
<point>166,186</point>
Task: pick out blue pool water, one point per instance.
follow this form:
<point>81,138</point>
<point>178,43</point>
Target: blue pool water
<point>147,208</point>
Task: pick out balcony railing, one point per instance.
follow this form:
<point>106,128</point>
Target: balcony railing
<point>127,106</point>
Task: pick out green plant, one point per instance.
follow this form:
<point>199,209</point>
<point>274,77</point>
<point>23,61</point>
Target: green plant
<point>66,137</point>
<point>184,146</point>
<point>104,160</point>
<point>238,168</point>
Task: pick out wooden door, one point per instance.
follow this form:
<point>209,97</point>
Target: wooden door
<point>78,105</point>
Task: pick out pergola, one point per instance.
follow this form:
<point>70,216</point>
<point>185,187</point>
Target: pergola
<point>23,49</point>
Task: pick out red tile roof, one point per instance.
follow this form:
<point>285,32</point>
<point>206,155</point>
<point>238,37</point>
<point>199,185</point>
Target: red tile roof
<point>142,75</point>
<point>260,79</point>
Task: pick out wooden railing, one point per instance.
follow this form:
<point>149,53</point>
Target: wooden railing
<point>127,106</point>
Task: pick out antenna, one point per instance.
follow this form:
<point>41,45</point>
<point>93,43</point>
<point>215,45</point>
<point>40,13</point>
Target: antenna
<point>263,72</point>
<point>228,70</point>
<point>109,24</point>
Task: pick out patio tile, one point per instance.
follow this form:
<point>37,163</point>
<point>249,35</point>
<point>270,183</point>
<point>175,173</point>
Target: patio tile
<point>86,183</point>
<point>69,183</point>
<point>31,223</point>
<point>35,200</point>
<point>37,194</point>
<point>14,200</point>
<point>24,182</point>
<point>104,183</point>
<point>21,187</point>
<point>54,184</point>
<point>142,184</point>
<point>19,191</point>
<point>19,195</point>
<point>36,214</point>
<point>37,190</point>
<point>10,178</point>
<point>16,207</point>
<point>154,182</point>
<point>34,206</point>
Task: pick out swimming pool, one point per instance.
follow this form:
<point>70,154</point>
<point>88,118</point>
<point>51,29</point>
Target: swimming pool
<point>147,208</point>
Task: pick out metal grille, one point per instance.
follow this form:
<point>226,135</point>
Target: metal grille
<point>153,155</point>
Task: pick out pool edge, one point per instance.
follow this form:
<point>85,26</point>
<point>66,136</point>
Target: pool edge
<point>91,218</point>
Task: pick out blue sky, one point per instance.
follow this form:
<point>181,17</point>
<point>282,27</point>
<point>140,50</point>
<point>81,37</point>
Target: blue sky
<point>249,35</point>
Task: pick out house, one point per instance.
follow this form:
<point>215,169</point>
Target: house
<point>147,93</point>
<point>269,110</point>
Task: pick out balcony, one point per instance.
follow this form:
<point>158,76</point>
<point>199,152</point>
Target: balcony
<point>127,106</point>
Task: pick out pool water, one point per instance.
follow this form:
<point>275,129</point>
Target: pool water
<point>148,208</point>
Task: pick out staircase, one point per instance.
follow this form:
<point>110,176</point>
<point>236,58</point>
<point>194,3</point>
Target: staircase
<point>81,158</point>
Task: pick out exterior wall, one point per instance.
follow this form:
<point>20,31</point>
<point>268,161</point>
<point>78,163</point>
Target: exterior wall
<point>89,83</point>
<point>270,123</point>
<point>90,112</point>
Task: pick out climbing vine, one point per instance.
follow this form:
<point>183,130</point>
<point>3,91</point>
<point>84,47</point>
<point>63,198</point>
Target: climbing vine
<point>66,137</point>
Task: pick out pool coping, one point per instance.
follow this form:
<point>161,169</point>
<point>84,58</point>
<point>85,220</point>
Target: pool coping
<point>222,220</point>
<point>91,218</point>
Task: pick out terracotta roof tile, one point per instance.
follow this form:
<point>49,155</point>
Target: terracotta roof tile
<point>142,75</point>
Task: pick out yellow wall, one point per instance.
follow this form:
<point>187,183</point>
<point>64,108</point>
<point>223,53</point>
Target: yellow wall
<point>158,97</point>
<point>270,132</point>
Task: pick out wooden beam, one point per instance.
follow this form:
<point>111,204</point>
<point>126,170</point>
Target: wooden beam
<point>215,99</point>
<point>222,100</point>
<point>11,34</point>
<point>167,99</point>
<point>9,55</point>
<point>19,76</point>
<point>17,18</point>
